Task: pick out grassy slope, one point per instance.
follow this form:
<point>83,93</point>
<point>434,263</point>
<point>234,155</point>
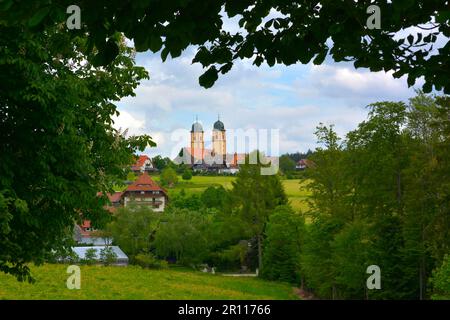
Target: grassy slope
<point>98,282</point>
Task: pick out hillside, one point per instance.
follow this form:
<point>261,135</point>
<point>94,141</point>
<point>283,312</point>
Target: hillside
<point>99,282</point>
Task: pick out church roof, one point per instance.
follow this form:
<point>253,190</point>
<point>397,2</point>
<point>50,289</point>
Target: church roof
<point>218,125</point>
<point>197,127</point>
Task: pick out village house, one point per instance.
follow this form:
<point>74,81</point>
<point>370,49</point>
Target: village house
<point>145,192</point>
<point>302,164</point>
<point>143,164</point>
<point>142,192</point>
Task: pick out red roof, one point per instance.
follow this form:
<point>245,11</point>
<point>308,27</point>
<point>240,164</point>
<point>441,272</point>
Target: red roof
<point>141,161</point>
<point>113,197</point>
<point>144,183</point>
<point>86,224</point>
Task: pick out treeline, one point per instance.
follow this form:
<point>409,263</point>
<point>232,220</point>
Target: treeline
<point>381,196</point>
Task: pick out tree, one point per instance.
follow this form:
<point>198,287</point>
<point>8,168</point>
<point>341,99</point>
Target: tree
<point>108,256</point>
<point>254,197</point>
<point>186,201</point>
<point>159,162</point>
<point>299,33</point>
<point>380,197</point>
<point>187,174</point>
<point>214,197</point>
<point>90,256</point>
<point>58,147</point>
<point>182,236</point>
<point>287,165</point>
<point>282,246</point>
<point>168,177</point>
<point>133,229</point>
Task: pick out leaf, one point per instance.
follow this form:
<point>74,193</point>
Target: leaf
<point>164,54</point>
<point>320,57</point>
<point>226,67</point>
<point>106,54</point>
<point>411,80</point>
<point>208,78</point>
<point>427,87</point>
<point>410,39</point>
<point>38,16</point>
<point>155,43</point>
<point>419,37</point>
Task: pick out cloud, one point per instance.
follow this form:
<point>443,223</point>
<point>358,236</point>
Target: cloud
<point>292,99</point>
<point>126,121</point>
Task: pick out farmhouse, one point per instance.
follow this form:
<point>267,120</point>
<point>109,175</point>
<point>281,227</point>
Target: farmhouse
<point>302,164</point>
<point>144,191</point>
<point>143,164</point>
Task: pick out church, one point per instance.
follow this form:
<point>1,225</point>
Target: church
<point>213,159</point>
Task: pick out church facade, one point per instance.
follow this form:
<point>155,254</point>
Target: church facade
<point>215,158</point>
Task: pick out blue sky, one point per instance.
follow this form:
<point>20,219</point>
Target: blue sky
<point>293,99</point>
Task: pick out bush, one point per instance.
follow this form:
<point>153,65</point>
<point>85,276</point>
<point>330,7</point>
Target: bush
<point>441,281</point>
<point>89,257</point>
<point>149,261</point>
<point>187,174</point>
<point>232,258</point>
<point>169,177</point>
<point>107,256</point>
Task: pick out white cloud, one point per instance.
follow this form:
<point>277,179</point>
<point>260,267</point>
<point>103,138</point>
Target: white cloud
<point>126,121</point>
<point>292,99</point>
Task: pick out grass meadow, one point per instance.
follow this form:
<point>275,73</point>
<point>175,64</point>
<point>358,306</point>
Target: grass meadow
<point>106,283</point>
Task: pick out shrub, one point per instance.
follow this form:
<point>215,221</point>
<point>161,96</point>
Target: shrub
<point>108,256</point>
<point>89,257</point>
<point>441,281</point>
<point>187,174</point>
<point>149,261</point>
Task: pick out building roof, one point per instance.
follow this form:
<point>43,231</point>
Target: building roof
<point>197,127</point>
<point>144,183</point>
<point>140,162</point>
<point>218,125</point>
<point>115,197</point>
<point>81,252</point>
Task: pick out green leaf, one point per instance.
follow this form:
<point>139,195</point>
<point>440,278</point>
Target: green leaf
<point>208,78</point>
<point>107,54</point>
<point>155,43</point>
<point>38,16</point>
<point>427,87</point>
<point>411,80</point>
<point>164,54</point>
<point>320,57</point>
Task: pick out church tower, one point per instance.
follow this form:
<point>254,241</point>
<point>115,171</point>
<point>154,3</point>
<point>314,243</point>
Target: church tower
<point>197,143</point>
<point>219,141</point>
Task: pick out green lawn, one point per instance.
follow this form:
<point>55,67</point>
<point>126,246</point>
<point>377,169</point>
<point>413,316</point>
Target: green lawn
<point>297,193</point>
<point>98,282</point>
<point>199,183</point>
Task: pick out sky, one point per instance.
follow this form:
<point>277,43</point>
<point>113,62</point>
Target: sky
<point>288,101</point>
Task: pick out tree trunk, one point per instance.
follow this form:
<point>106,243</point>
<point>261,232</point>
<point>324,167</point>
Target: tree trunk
<point>259,252</point>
